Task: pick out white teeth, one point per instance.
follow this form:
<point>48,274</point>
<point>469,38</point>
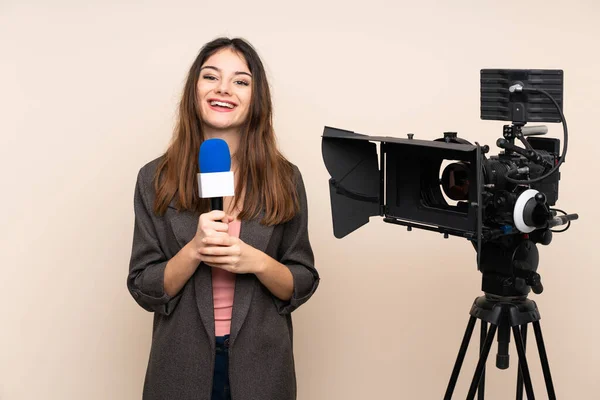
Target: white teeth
<point>222,104</point>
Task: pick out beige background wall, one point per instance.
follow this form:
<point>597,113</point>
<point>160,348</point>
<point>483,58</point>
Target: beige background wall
<point>88,92</point>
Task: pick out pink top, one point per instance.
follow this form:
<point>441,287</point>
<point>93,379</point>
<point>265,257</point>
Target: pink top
<point>223,283</point>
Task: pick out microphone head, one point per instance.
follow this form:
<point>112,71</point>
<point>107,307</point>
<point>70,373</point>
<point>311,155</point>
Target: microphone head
<point>214,156</point>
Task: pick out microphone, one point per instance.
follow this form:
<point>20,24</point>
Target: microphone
<point>215,178</point>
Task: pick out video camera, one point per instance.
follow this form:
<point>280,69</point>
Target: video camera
<point>503,204</point>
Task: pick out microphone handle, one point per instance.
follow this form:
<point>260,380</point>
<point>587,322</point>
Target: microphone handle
<point>216,203</point>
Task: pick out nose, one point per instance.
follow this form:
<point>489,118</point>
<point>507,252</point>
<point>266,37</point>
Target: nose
<point>223,87</point>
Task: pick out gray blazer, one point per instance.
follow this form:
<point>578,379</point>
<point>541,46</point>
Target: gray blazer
<point>181,361</point>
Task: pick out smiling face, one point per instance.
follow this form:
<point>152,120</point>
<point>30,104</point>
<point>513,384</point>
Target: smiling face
<point>224,91</point>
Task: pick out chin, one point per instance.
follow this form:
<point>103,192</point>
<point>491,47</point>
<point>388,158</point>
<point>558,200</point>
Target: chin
<point>220,125</point>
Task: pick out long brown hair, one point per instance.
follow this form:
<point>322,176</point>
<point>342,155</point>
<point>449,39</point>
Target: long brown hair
<point>266,178</point>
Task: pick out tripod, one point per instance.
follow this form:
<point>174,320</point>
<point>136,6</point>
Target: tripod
<point>503,314</point>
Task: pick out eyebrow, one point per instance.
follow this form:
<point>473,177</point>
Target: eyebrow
<point>218,70</point>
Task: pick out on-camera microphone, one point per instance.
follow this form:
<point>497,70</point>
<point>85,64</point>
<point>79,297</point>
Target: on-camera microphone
<point>215,179</point>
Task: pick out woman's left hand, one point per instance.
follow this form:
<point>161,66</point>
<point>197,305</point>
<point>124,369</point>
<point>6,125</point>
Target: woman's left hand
<point>231,254</point>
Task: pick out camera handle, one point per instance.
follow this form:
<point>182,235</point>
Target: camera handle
<point>520,132</point>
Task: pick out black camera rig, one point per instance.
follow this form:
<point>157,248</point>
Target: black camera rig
<point>502,204</point>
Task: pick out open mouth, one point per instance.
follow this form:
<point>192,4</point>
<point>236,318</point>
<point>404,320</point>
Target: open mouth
<point>220,105</point>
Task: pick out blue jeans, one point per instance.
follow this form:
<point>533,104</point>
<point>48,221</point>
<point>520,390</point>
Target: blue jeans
<point>220,389</point>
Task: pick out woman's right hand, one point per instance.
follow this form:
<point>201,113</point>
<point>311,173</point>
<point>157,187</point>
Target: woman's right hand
<point>214,224</point>
<point>182,266</point>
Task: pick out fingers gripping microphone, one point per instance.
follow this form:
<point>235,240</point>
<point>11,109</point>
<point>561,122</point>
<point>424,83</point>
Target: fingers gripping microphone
<point>215,179</point>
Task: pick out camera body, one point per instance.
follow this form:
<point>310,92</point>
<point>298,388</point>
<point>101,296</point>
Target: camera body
<point>501,203</point>
<point>499,196</point>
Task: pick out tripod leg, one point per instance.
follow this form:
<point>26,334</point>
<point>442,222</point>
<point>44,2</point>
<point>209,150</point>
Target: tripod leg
<point>482,359</point>
<point>481,389</point>
<point>544,358</point>
<point>523,363</point>
<point>520,374</point>
<point>460,358</point>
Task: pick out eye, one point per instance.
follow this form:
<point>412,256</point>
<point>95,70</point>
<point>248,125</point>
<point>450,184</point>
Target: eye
<point>242,82</point>
<point>209,77</point>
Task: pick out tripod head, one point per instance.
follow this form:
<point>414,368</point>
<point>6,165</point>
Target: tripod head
<point>509,265</point>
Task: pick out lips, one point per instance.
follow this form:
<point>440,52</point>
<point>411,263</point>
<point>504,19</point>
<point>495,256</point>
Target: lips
<point>221,105</point>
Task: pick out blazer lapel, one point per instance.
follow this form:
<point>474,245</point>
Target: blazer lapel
<point>185,225</point>
<point>257,236</point>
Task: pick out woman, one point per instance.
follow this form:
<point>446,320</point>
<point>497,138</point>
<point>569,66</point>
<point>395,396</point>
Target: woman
<point>222,284</point>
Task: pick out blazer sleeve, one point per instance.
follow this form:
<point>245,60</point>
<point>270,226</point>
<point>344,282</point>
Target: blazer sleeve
<point>145,280</point>
<point>296,254</point>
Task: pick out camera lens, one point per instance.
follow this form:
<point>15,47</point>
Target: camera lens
<point>455,181</point>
